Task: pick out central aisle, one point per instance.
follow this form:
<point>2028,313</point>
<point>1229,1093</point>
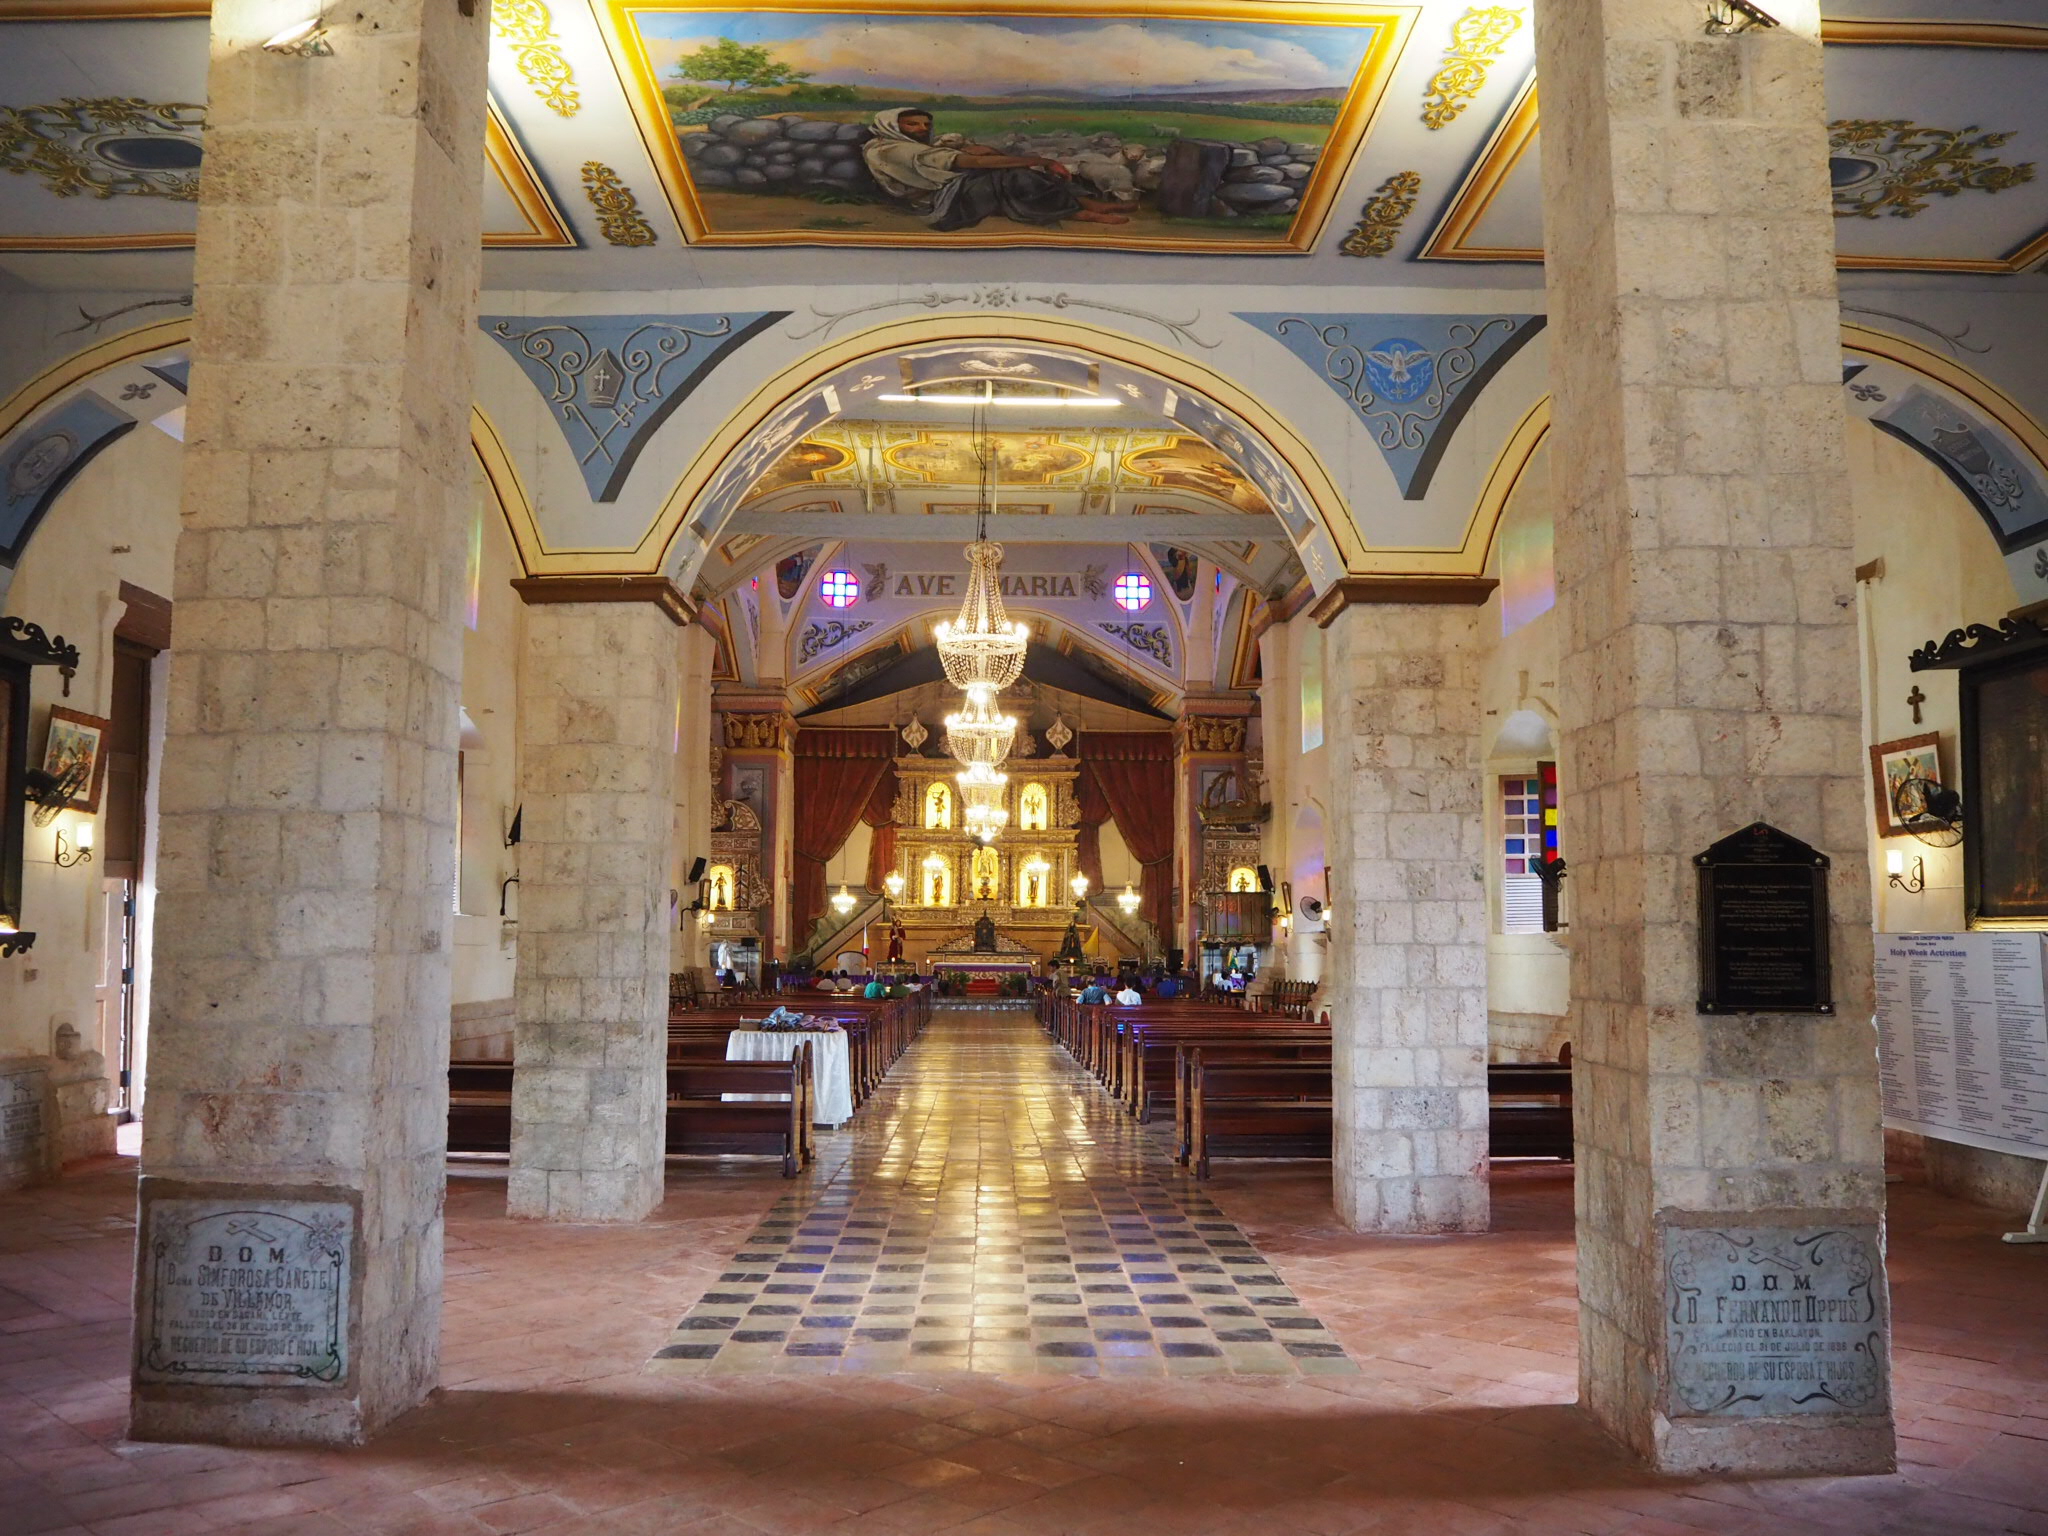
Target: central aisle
<point>997,1212</point>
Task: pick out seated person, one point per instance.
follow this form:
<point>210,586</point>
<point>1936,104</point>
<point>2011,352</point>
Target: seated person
<point>957,186</point>
<point>1166,988</point>
<point>1095,994</point>
<point>875,988</point>
<point>1130,996</point>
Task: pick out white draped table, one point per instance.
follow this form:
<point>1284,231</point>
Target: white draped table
<point>831,1064</point>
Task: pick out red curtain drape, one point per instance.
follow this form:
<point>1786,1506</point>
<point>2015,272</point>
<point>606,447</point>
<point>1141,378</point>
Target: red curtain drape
<point>836,775</point>
<point>1133,772</point>
<point>1094,811</point>
<point>881,816</point>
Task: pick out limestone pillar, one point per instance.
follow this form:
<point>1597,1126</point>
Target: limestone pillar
<point>290,1245</point>
<point>1406,979</point>
<point>598,720</point>
<point>696,793</point>
<point>1709,680</point>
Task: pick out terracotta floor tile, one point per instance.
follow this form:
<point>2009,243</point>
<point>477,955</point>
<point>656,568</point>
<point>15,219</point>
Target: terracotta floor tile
<point>1003,1164</point>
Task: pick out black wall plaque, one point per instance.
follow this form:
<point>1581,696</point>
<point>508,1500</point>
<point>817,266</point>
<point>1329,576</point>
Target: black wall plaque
<point>1763,925</point>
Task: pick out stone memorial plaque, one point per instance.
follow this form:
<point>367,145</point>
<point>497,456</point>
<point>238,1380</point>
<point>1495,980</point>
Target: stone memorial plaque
<point>1763,925</point>
<point>24,1151</point>
<point>250,1292</point>
<point>1774,1320</point>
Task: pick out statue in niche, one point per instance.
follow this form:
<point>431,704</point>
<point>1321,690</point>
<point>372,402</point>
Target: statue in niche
<point>984,935</point>
<point>985,873</point>
<point>938,808</point>
<point>896,937</point>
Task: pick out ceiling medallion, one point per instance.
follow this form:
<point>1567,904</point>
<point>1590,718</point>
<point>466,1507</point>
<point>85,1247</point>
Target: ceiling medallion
<point>528,27</point>
<point>1384,212</point>
<point>618,210</point>
<point>1477,38</point>
<point>1893,166</point>
<point>107,146</point>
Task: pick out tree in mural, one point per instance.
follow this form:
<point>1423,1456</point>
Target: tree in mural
<point>736,66</point>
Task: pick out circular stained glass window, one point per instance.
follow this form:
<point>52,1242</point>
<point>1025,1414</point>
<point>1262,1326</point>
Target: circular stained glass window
<point>839,589</point>
<point>1132,591</point>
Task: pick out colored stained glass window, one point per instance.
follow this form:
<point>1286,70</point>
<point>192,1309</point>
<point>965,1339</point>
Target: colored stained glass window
<point>839,589</point>
<point>1132,591</point>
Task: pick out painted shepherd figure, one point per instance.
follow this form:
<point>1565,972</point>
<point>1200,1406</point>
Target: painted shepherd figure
<point>958,188</point>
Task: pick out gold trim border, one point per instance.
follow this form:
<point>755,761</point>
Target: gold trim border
<point>1516,131</point>
<point>546,229</point>
<point>1364,101</point>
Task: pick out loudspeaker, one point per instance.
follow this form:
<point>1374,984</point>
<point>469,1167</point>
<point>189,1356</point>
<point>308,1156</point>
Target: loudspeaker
<point>1265,879</point>
<point>1175,959</point>
<point>696,870</point>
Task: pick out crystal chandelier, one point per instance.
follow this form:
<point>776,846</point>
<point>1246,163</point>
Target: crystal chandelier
<point>981,647</point>
<point>982,792</point>
<point>979,734</point>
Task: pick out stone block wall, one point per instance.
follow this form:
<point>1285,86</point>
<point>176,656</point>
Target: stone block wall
<point>598,716</point>
<point>1406,984</point>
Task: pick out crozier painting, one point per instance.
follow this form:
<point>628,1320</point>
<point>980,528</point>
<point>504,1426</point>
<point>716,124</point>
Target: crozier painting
<point>1198,127</point>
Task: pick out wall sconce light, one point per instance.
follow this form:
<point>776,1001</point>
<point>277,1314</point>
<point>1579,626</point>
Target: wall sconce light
<point>1129,900</point>
<point>706,917</point>
<point>1896,877</point>
<point>12,940</point>
<point>1079,886</point>
<point>303,40</point>
<point>1732,18</point>
<point>843,902</point>
<point>80,852</point>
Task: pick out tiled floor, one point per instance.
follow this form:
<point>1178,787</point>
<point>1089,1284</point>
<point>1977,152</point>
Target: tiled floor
<point>997,1212</point>
<point>1458,1421</point>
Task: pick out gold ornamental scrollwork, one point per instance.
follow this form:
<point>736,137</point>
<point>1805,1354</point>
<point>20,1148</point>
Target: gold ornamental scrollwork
<point>1384,212</point>
<point>754,732</point>
<point>77,146</point>
<point>618,210</point>
<point>1214,733</point>
<point>1892,166</point>
<point>1477,38</point>
<point>528,27</point>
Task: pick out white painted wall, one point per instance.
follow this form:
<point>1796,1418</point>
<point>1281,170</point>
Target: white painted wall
<point>117,521</point>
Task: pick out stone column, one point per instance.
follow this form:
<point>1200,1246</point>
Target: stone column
<point>1709,681</point>
<point>1406,982</point>
<point>696,792</point>
<point>299,1035</point>
<point>598,718</point>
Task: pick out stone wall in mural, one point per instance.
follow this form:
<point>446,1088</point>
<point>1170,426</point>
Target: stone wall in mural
<point>1217,130</point>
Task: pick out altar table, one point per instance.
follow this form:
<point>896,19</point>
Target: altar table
<point>831,1064</point>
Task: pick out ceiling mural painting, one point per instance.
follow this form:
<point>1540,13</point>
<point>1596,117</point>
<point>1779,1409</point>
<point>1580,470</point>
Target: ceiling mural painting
<point>610,381</point>
<point>1225,128</point>
<point>1409,378</point>
<point>1924,177</point>
<point>870,456</point>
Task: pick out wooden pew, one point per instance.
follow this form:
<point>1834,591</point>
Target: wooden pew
<point>1529,1109</point>
<point>702,1119</point>
<point>1286,1106</point>
<point>699,1117</point>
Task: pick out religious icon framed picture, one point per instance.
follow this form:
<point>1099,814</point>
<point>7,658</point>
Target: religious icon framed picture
<point>1901,772</point>
<point>2005,791</point>
<point>72,756</point>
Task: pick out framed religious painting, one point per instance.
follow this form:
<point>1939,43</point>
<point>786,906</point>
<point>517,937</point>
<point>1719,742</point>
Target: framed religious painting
<point>1901,773</point>
<point>74,756</point>
<point>2005,791</point>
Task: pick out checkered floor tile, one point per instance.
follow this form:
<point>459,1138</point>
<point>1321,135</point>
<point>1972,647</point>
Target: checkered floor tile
<point>995,1211</point>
